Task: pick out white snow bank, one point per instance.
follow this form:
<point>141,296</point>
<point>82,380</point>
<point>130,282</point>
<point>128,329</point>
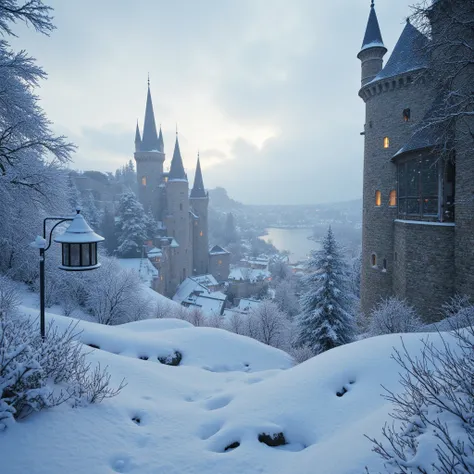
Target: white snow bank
<point>171,420</point>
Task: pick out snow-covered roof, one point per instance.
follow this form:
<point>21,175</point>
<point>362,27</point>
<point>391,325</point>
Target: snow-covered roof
<point>155,252</point>
<point>373,36</point>
<point>174,244</point>
<point>142,266</point>
<point>218,250</point>
<point>248,274</point>
<point>206,280</point>
<point>246,304</point>
<point>188,287</point>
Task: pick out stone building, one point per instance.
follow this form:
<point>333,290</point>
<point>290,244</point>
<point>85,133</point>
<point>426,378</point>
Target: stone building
<point>418,219</point>
<point>183,216</point>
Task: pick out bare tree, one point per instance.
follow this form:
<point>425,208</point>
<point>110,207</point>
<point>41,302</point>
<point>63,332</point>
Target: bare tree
<point>393,315</point>
<point>434,432</point>
<point>268,324</point>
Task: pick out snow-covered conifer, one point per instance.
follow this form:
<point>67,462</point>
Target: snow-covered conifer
<point>325,321</point>
<point>132,226</point>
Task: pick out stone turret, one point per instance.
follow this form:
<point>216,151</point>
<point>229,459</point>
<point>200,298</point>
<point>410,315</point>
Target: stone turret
<point>178,217</point>
<point>373,49</point>
<point>200,202</point>
<point>149,158</point>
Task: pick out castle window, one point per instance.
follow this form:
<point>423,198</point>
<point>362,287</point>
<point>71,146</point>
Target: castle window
<point>392,200</point>
<point>386,142</point>
<point>373,260</point>
<point>384,265</point>
<point>180,206</point>
<point>406,115</point>
<point>143,180</point>
<point>201,233</point>
<point>418,188</point>
<point>220,262</point>
<point>378,198</point>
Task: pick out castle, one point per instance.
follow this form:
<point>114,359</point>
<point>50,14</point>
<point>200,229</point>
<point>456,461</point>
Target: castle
<point>182,248</point>
<point>418,218</point>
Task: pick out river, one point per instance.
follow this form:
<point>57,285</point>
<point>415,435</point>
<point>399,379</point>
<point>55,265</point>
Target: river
<point>294,240</point>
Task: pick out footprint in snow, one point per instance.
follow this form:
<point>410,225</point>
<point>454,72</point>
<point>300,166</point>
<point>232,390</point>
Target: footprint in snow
<point>218,402</point>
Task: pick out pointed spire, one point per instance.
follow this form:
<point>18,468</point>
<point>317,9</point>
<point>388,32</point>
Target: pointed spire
<point>198,190</point>
<point>150,137</point>
<point>373,36</point>
<point>138,140</point>
<point>160,141</point>
<point>177,168</point>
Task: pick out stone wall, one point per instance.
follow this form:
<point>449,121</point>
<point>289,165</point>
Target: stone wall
<point>424,270</point>
<point>385,102</point>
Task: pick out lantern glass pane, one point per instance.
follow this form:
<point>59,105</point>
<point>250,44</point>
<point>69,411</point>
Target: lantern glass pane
<point>93,253</point>
<point>65,254</point>
<point>85,250</point>
<point>75,259</point>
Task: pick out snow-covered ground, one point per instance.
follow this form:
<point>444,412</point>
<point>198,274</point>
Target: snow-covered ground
<point>227,390</point>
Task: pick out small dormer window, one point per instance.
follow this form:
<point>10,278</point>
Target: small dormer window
<point>386,142</point>
<point>144,181</point>
<point>406,115</point>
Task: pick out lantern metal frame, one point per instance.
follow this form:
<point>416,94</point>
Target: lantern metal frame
<point>89,238</point>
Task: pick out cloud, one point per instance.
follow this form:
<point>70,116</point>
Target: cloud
<point>267,90</point>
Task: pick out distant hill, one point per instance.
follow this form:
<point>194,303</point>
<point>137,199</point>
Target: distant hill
<point>220,200</point>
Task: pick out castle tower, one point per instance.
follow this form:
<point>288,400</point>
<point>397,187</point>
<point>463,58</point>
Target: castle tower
<point>177,218</point>
<point>373,49</point>
<point>397,98</point>
<point>149,157</point>
<point>199,200</point>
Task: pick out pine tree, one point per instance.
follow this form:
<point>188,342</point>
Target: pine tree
<point>132,226</point>
<point>325,321</point>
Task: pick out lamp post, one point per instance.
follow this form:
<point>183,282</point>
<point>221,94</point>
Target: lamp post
<point>79,250</point>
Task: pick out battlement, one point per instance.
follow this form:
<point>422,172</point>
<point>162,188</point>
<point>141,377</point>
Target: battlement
<point>383,86</point>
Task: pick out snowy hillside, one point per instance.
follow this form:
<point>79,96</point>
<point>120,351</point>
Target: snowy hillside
<point>205,415</point>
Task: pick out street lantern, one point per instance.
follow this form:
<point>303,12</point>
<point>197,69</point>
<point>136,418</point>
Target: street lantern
<point>79,250</point>
<point>79,246</point>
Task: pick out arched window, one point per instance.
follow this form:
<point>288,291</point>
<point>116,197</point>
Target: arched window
<point>392,200</point>
<point>406,115</point>
<point>143,180</point>
<point>385,264</point>
<point>378,198</point>
<point>386,142</point>
<point>373,260</point>
<point>201,233</point>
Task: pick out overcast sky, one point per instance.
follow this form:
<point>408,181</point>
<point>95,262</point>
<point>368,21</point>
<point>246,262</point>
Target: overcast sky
<point>265,89</point>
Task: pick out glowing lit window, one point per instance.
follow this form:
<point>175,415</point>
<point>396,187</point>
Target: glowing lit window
<point>406,115</point>
<point>386,142</point>
<point>392,200</point>
<point>373,260</point>
<point>378,198</point>
<point>220,262</point>
<point>144,181</point>
<point>201,233</point>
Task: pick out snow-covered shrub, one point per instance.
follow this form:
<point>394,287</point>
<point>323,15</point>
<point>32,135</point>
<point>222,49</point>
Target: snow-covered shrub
<point>37,374</point>
<point>454,305</point>
<point>9,296</point>
<point>434,422</point>
<point>393,315</point>
<point>114,295</point>
<point>301,354</point>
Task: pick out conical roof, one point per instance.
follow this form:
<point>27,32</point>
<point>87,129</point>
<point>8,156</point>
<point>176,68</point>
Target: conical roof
<point>150,137</point>
<point>198,190</point>
<point>410,54</point>
<point>161,144</point>
<point>373,36</point>
<point>138,140</point>
<point>177,168</point>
